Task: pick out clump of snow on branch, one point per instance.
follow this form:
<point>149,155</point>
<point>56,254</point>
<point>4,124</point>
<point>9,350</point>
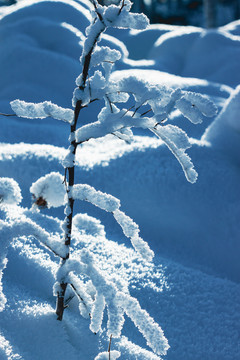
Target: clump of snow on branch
<point>177,141</point>
<point>120,17</point>
<point>131,230</point>
<point>10,192</point>
<point>111,204</point>
<point>138,352</point>
<point>102,200</point>
<point>50,188</point>
<point>41,110</point>
<point>84,223</point>
<point>103,54</point>
<point>162,101</point>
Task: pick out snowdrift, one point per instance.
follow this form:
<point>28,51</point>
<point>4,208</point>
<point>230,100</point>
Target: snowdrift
<point>192,290</point>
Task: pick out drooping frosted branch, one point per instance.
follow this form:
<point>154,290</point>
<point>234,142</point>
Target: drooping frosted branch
<point>117,303</point>
<point>151,331</point>
<point>177,141</point>
<point>131,230</point>
<point>26,227</point>
<point>97,313</point>
<point>41,110</point>
<point>102,200</point>
<point>112,123</point>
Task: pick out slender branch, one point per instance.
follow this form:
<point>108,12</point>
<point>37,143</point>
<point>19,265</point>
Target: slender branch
<point>110,103</point>
<point>53,251</point>
<point>128,110</point>
<point>2,114</point>
<point>120,10</point>
<point>96,9</point>
<point>71,170</point>
<point>77,293</point>
<point>146,112</point>
<point>67,301</point>
<point>137,108</point>
<point>109,346</point>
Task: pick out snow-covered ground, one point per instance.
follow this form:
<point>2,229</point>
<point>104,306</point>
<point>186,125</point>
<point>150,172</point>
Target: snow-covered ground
<point>192,290</point>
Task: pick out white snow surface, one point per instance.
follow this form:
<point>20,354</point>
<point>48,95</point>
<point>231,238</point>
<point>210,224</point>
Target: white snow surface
<point>192,287</point>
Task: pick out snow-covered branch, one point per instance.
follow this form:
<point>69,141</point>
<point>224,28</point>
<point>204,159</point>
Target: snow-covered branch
<point>41,110</point>
<point>117,302</point>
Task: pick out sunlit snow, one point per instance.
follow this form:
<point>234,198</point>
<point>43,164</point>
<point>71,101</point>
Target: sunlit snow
<point>192,286</point>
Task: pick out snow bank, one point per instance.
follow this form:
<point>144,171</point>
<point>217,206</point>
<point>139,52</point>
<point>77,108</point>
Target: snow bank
<point>197,226</point>
<point>224,133</point>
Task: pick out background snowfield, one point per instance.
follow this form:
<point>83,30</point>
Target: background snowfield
<point>192,289</point>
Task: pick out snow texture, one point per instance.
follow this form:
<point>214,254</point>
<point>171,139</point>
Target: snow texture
<point>97,313</point>
<point>10,192</point>
<point>88,225</point>
<point>131,230</point>
<point>41,110</point>
<point>192,289</point>
<point>117,303</point>
<point>102,200</point>
<point>114,354</point>
<point>50,188</point>
<point>104,54</point>
<point>177,141</point>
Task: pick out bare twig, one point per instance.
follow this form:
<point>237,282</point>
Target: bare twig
<point>146,112</point>
<point>128,110</point>
<point>67,301</point>
<point>65,177</point>
<point>120,10</point>
<point>96,9</point>
<point>109,346</point>
<point>79,296</point>
<point>2,114</point>
<point>136,110</point>
<point>110,103</point>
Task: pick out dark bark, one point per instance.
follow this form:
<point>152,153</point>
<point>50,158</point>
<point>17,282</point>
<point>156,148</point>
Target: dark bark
<point>71,180</point>
<point>70,172</point>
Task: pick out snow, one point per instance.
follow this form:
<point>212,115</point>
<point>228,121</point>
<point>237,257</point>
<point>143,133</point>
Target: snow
<point>102,200</point>
<point>192,287</point>
<point>105,355</point>
<point>41,110</point>
<point>50,188</point>
<point>10,192</point>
